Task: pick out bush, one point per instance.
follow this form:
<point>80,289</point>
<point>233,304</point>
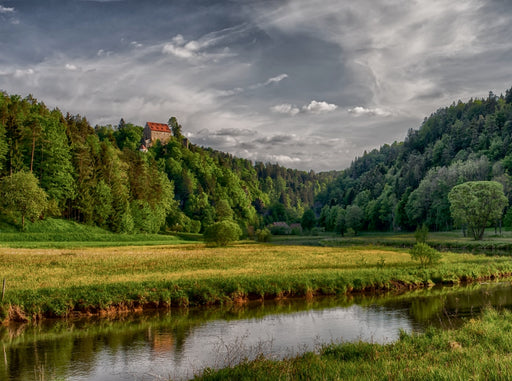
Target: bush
<point>421,234</point>
<point>425,254</point>
<point>263,235</point>
<point>280,228</point>
<point>222,233</point>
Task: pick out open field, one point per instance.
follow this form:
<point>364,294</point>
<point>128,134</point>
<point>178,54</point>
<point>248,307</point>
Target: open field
<point>480,350</point>
<point>59,282</point>
<point>62,234</point>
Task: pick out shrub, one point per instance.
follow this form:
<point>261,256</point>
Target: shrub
<point>421,234</point>
<point>263,235</point>
<point>280,228</point>
<point>425,254</point>
<point>222,233</point>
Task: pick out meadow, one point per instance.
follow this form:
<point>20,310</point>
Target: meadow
<point>59,282</point>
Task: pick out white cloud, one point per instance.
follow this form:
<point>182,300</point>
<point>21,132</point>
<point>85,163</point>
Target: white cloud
<point>196,49</point>
<point>136,44</point>
<point>19,73</point>
<point>313,107</point>
<point>177,51</point>
<point>319,107</point>
<point>359,110</point>
<point>284,159</point>
<point>276,79</point>
<point>6,9</point>
<point>285,109</point>
<point>71,67</point>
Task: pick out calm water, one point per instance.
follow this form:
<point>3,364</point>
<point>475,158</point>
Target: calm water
<point>176,344</point>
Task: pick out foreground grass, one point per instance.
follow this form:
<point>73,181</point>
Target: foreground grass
<point>57,282</point>
<point>481,349</point>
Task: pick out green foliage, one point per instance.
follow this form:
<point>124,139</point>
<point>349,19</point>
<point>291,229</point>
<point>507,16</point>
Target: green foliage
<point>222,233</point>
<point>263,235</point>
<point>425,254</point>
<point>21,195</point>
<point>421,234</point>
<point>308,220</point>
<point>354,218</point>
<point>474,204</point>
<point>406,184</point>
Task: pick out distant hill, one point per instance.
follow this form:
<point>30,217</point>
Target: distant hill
<point>403,185</point>
<point>100,176</point>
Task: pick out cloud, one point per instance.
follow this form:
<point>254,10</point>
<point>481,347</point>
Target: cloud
<point>285,109</point>
<point>239,90</point>
<point>20,73</point>
<point>209,46</point>
<point>284,159</point>
<point>319,107</point>
<point>359,110</point>
<point>266,78</point>
<point>276,79</point>
<point>71,67</point>
<point>6,9</point>
<point>313,107</point>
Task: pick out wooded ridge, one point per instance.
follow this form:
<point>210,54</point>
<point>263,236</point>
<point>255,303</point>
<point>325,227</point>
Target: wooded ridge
<point>64,167</point>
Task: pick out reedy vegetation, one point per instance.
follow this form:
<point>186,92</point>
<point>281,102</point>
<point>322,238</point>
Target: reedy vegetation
<point>479,350</point>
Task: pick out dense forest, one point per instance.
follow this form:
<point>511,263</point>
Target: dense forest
<point>405,185</point>
<point>61,166</point>
<point>53,164</point>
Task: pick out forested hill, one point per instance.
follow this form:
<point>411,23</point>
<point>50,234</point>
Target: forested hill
<point>61,166</point>
<point>403,185</point>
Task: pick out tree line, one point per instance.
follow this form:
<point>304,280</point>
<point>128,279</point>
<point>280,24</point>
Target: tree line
<point>98,176</point>
<point>406,184</point>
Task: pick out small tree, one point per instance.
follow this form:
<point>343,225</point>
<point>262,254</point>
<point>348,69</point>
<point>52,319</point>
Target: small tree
<point>308,220</point>
<point>475,203</point>
<point>421,234</point>
<point>425,254</point>
<point>354,218</point>
<point>21,194</point>
<point>222,233</point>
<point>263,235</point>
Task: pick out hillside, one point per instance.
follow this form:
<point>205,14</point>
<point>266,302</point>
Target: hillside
<point>403,185</point>
<point>99,177</point>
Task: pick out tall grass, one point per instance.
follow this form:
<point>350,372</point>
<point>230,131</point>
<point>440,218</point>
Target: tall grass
<point>57,282</point>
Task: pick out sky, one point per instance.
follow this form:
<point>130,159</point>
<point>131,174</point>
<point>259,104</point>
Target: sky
<point>309,84</point>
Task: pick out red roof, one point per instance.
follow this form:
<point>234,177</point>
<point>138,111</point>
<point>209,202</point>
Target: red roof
<point>161,127</point>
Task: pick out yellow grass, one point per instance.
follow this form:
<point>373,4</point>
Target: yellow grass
<point>40,268</point>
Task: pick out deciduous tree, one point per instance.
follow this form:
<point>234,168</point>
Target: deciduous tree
<point>476,203</point>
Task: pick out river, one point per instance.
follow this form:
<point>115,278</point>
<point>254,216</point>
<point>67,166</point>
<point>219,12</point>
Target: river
<point>178,343</point>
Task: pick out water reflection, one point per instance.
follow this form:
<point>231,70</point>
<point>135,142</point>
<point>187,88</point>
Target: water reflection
<point>174,344</point>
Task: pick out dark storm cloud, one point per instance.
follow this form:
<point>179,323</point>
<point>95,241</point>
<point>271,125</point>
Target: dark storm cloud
<point>307,83</point>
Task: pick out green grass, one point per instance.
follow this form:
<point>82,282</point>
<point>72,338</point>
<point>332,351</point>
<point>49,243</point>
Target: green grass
<point>56,282</point>
<point>58,233</point>
<point>480,350</point>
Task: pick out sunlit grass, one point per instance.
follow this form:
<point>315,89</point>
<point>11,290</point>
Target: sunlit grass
<point>56,281</point>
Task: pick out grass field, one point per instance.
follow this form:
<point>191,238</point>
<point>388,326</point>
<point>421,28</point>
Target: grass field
<point>57,282</point>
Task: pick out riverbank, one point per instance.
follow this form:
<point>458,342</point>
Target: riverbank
<point>481,349</point>
<point>105,281</point>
